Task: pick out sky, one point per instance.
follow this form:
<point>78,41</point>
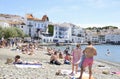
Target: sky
<point>79,12</point>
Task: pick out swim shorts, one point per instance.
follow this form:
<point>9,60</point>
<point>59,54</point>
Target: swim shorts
<point>87,62</point>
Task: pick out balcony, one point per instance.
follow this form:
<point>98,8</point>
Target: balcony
<point>30,25</point>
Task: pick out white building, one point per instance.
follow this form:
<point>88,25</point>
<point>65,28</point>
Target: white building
<point>29,25</point>
<point>66,33</point>
<point>61,33</point>
<point>78,34</point>
<point>35,25</point>
<point>112,38</point>
<point>4,24</point>
<point>93,35</point>
<point>7,20</point>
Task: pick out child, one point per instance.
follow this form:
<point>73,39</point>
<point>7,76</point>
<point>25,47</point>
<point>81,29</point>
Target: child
<point>67,59</point>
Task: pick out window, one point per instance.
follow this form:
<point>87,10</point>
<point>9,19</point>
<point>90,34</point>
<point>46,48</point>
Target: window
<point>21,26</point>
<point>38,25</point>
<point>41,25</point>
<point>29,23</point>
<point>49,40</point>
<point>44,40</point>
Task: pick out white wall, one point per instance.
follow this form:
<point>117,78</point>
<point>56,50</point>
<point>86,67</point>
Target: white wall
<point>4,24</point>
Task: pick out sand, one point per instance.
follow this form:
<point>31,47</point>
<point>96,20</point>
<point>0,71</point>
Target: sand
<point>101,69</point>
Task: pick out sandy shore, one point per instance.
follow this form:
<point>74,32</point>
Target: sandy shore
<point>47,71</point>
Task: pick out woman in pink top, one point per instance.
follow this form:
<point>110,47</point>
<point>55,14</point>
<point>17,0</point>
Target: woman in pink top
<point>76,53</point>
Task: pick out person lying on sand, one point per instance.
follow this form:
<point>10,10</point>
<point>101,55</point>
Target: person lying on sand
<point>18,60</point>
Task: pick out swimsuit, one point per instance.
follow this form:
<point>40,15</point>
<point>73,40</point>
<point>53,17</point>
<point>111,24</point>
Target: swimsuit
<point>87,62</point>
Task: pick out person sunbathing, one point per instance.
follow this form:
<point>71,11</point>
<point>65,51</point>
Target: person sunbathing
<point>61,55</point>
<point>18,60</point>
<point>54,59</point>
<point>67,59</point>
<point>50,51</point>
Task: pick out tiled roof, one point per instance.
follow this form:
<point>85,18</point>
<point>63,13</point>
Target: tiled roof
<point>8,15</point>
<point>44,18</point>
<point>31,17</point>
<point>17,23</point>
<point>37,19</point>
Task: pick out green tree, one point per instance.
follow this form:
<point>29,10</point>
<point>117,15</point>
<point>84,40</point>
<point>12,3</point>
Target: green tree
<point>11,32</point>
<point>108,27</point>
<point>89,28</point>
<point>51,29</point>
<point>1,32</point>
<point>19,32</point>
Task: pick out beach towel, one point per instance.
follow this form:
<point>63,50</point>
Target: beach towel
<point>28,65</point>
<point>67,72</point>
<point>117,73</point>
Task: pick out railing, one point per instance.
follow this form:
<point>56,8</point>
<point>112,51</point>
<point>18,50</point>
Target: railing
<point>30,25</point>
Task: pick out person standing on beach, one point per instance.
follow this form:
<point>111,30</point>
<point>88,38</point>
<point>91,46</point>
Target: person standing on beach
<point>89,52</point>
<point>76,53</point>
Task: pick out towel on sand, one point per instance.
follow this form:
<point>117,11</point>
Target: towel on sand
<point>28,65</point>
<point>75,76</point>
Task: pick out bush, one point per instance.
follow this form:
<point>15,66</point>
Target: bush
<point>11,32</point>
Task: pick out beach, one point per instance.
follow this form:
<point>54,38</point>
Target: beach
<point>101,69</point>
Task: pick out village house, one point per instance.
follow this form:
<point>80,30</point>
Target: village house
<point>48,32</point>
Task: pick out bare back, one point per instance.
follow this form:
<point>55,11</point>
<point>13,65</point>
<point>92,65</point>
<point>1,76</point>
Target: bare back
<point>90,51</point>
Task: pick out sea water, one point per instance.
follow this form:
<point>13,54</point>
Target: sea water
<point>102,52</point>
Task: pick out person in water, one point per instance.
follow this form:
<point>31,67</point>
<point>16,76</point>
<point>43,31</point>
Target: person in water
<point>108,53</point>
